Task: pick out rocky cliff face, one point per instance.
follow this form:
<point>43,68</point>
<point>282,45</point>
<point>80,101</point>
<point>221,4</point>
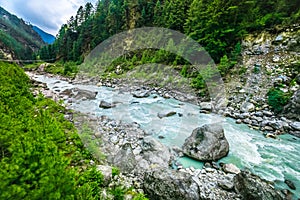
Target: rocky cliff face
<point>270,59</point>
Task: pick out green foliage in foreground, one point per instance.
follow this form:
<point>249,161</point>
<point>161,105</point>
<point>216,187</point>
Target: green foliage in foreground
<point>40,152</point>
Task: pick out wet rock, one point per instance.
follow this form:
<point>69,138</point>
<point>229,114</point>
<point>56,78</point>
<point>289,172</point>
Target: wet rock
<point>252,187</point>
<point>238,121</point>
<point>169,114</point>
<point>80,93</point>
<point>290,184</point>
<point>267,128</point>
<point>167,96</point>
<point>161,137</point>
<point>141,94</point>
<point>247,121</point>
<point>230,168</point>
<point>207,106</point>
<point>270,135</point>
<point>295,126</point>
<point>106,105</point>
<point>168,184</point>
<point>207,143</point>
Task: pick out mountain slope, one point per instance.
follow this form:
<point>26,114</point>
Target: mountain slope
<point>48,38</point>
<point>17,39</point>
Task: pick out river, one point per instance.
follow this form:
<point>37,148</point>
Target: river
<point>271,159</point>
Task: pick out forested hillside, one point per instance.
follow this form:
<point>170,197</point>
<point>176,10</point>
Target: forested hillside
<point>17,39</point>
<point>218,25</point>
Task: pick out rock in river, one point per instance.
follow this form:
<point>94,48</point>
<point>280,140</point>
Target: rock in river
<point>207,106</point>
<point>290,184</point>
<point>141,94</point>
<point>169,114</point>
<point>106,105</point>
<point>207,143</point>
<point>80,93</point>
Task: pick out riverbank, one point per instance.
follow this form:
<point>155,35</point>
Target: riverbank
<point>116,136</point>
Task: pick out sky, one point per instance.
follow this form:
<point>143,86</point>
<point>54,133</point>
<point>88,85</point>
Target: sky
<point>48,15</point>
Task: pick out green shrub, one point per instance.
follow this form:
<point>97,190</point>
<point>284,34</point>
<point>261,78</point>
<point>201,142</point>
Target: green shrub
<point>256,69</point>
<point>70,68</point>
<point>90,182</point>
<point>242,70</point>
<point>277,99</point>
<point>118,192</point>
<point>140,197</point>
<point>224,65</point>
<point>115,171</point>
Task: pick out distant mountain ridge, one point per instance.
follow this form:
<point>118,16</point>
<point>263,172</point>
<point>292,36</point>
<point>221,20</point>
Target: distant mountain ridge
<point>48,38</point>
<point>18,40</point>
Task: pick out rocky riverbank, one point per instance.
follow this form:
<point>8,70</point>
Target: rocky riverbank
<point>147,165</point>
<point>270,60</point>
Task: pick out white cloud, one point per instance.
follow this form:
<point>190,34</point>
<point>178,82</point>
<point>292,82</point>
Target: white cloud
<point>47,14</point>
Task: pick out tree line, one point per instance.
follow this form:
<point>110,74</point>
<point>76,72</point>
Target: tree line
<point>218,25</point>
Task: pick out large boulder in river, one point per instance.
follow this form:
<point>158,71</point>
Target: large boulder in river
<point>87,94</point>
<point>169,184</point>
<point>251,187</point>
<point>79,93</point>
<point>207,143</point>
